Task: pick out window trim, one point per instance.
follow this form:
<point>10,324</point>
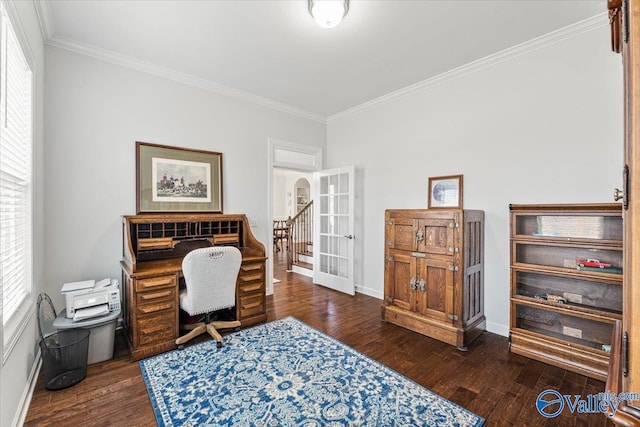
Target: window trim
<point>26,310</point>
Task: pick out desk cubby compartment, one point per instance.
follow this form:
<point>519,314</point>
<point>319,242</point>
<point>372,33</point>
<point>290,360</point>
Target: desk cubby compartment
<point>154,238</point>
<point>585,293</point>
<point>561,256</point>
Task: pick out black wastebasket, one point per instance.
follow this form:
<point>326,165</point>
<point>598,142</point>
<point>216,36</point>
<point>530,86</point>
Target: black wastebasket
<point>64,357</point>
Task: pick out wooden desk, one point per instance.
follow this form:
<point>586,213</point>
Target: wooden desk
<point>153,249</point>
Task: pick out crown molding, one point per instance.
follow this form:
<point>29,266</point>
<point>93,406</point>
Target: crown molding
<point>184,78</point>
<point>45,19</point>
<point>48,33</point>
<point>564,33</point>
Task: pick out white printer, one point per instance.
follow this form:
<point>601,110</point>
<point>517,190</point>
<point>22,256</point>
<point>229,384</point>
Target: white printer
<point>88,298</point>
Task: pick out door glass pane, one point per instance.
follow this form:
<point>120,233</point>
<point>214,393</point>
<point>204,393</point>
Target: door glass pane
<point>324,185</point>
<point>324,204</point>
<point>324,263</point>
<point>343,246</point>
<point>324,244</point>
<point>343,204</point>
<point>324,224</point>
<point>344,183</point>
<point>333,265</point>
<point>343,270</point>
<point>343,225</point>
<point>333,184</point>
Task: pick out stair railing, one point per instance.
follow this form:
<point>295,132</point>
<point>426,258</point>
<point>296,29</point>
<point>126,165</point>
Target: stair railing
<point>300,234</point>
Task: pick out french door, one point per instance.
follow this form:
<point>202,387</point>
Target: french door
<point>333,250</point>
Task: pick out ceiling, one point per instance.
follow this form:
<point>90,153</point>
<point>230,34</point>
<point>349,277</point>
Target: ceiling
<point>274,52</point>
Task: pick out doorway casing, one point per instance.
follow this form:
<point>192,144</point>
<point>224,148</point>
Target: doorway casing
<point>286,155</point>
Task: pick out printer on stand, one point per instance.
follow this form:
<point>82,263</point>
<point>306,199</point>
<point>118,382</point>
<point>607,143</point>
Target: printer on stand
<point>95,306</point>
<point>89,298</point>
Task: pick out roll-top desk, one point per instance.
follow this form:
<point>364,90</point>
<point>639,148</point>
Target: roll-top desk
<point>153,249</point>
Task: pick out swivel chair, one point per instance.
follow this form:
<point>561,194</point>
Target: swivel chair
<point>210,276</point>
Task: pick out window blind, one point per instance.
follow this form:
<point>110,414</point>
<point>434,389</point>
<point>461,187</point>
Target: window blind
<point>15,179</point>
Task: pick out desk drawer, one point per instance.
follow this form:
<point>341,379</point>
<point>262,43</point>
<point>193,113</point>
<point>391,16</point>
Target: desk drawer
<point>252,305</point>
<point>155,283</point>
<point>251,288</point>
<point>251,270</point>
<point>155,307</point>
<point>251,278</point>
<point>156,297</point>
<point>156,328</point>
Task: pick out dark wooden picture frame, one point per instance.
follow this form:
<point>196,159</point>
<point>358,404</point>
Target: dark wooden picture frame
<point>175,179</point>
<point>445,192</point>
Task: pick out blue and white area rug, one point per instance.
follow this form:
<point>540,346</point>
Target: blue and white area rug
<point>285,373</point>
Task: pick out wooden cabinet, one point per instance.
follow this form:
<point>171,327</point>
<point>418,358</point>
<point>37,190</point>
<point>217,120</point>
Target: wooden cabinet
<point>624,372</point>
<point>566,284</point>
<point>153,249</point>
<point>433,275</point>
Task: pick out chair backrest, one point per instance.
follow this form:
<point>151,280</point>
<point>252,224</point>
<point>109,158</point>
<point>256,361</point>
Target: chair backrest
<point>280,228</point>
<point>210,275</point>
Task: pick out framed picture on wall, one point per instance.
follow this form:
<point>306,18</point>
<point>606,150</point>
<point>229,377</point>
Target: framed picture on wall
<point>445,192</point>
<point>174,179</point>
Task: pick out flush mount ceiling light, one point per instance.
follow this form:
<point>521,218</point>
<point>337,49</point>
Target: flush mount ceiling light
<point>328,13</point>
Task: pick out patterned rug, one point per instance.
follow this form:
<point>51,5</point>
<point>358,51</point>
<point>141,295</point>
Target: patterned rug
<point>285,373</point>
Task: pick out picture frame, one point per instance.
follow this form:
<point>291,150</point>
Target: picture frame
<point>445,192</point>
<point>174,179</point>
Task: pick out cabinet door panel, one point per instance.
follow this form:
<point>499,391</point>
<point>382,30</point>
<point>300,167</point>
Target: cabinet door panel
<point>399,270</point>
<point>438,236</point>
<point>401,234</point>
<point>436,301</point>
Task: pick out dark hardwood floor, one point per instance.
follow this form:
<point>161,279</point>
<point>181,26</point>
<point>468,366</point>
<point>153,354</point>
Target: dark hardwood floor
<point>488,379</point>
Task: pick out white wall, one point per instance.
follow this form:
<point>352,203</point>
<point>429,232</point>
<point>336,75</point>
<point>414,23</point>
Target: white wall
<point>95,113</point>
<point>16,371</point>
<point>544,127</point>
<point>279,196</point>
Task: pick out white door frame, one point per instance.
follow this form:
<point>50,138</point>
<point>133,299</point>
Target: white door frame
<point>288,155</point>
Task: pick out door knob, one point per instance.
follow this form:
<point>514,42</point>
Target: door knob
<point>350,236</point>
<point>617,194</point>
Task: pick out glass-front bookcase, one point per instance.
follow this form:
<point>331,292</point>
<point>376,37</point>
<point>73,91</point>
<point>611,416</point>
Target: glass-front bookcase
<point>566,284</point>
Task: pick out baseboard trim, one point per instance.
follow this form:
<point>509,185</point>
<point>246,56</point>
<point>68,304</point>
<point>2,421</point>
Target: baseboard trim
<point>302,270</point>
<point>369,291</point>
<point>27,394</point>
<point>498,328</point>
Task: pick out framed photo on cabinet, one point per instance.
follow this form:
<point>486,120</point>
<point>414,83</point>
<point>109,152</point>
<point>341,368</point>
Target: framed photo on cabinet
<point>173,179</point>
<point>445,192</point>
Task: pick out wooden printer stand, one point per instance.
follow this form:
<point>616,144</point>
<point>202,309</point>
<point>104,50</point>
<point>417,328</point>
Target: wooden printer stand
<point>153,249</point>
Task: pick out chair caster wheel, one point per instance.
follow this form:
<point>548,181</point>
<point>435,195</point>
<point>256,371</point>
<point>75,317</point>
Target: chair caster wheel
<point>180,346</point>
<point>236,329</point>
<point>219,344</point>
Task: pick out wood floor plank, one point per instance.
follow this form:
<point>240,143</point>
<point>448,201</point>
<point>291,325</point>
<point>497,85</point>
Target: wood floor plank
<point>487,379</point>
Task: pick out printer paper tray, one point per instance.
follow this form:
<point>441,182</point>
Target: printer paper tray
<point>89,312</point>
